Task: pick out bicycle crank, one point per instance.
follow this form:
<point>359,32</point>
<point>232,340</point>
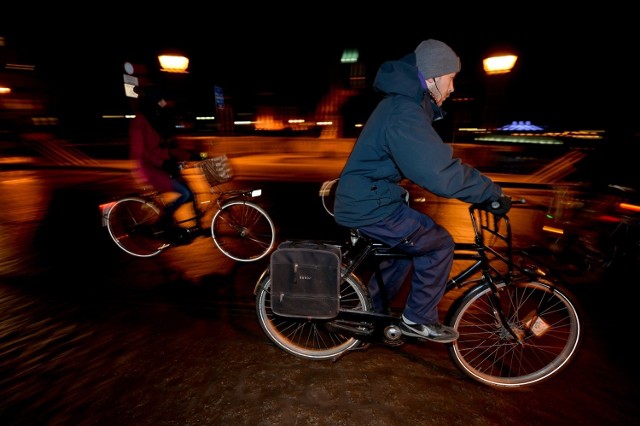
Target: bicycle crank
<point>351,327</point>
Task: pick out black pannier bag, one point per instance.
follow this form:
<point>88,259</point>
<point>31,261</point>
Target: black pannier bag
<point>305,279</point>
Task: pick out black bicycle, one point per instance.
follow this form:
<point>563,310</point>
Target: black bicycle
<point>589,233</point>
<point>517,327</point>
<point>241,229</point>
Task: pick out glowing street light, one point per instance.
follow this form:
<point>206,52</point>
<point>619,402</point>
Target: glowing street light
<point>496,67</point>
<point>499,64</point>
<point>174,63</point>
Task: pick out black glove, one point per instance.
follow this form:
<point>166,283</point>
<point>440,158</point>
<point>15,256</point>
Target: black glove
<point>498,207</point>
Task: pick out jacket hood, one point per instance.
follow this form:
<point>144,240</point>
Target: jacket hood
<point>400,77</point>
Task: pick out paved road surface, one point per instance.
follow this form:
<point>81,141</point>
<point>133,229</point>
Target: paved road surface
<point>91,336</point>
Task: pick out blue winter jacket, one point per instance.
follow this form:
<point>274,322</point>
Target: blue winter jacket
<point>398,141</point>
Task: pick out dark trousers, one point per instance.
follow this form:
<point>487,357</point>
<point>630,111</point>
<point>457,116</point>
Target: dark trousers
<point>431,247</point>
<point>185,195</point>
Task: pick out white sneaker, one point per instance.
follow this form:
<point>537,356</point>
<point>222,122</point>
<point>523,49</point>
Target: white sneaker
<point>435,332</point>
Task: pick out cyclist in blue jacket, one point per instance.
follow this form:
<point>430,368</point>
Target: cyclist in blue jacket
<point>399,142</point>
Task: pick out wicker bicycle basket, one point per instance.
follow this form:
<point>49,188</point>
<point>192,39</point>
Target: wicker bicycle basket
<point>217,169</point>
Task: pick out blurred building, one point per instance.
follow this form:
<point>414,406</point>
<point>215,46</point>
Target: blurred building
<point>25,103</point>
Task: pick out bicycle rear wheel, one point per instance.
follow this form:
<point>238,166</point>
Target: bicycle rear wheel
<point>308,338</point>
<point>129,224</point>
<point>543,316</point>
<point>243,231</point>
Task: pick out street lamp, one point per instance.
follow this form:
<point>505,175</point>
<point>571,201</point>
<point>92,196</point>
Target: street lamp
<point>173,63</point>
<point>499,64</point>
<point>496,68</point>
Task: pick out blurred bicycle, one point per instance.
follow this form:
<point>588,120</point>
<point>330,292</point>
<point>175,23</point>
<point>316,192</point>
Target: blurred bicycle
<point>590,233</point>
<point>241,229</point>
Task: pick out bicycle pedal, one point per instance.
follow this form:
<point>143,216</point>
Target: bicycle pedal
<point>196,231</point>
<point>178,236</point>
<point>362,347</point>
<point>394,342</point>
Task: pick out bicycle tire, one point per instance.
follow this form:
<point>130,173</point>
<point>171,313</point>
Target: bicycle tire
<point>129,224</point>
<point>545,315</point>
<point>243,231</point>
<point>308,338</point>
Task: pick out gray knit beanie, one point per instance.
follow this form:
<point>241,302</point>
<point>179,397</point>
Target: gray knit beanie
<point>435,59</point>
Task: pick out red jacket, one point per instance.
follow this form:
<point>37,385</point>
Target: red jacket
<point>148,154</point>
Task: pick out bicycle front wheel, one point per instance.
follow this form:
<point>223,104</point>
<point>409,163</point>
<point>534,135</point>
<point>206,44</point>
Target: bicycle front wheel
<point>129,223</point>
<point>243,231</point>
<point>308,338</point>
<point>541,337</point>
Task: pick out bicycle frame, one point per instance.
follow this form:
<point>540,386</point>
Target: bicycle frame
<point>486,260</point>
<point>516,327</point>
<point>150,195</point>
<point>155,197</point>
<point>479,252</point>
<point>240,228</point>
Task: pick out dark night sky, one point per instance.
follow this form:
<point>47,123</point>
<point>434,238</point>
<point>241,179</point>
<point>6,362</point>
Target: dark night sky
<point>571,71</point>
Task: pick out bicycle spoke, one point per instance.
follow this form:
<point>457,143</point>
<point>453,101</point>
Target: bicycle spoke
<point>540,337</point>
<point>129,223</point>
<point>306,338</point>
<point>243,231</point>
